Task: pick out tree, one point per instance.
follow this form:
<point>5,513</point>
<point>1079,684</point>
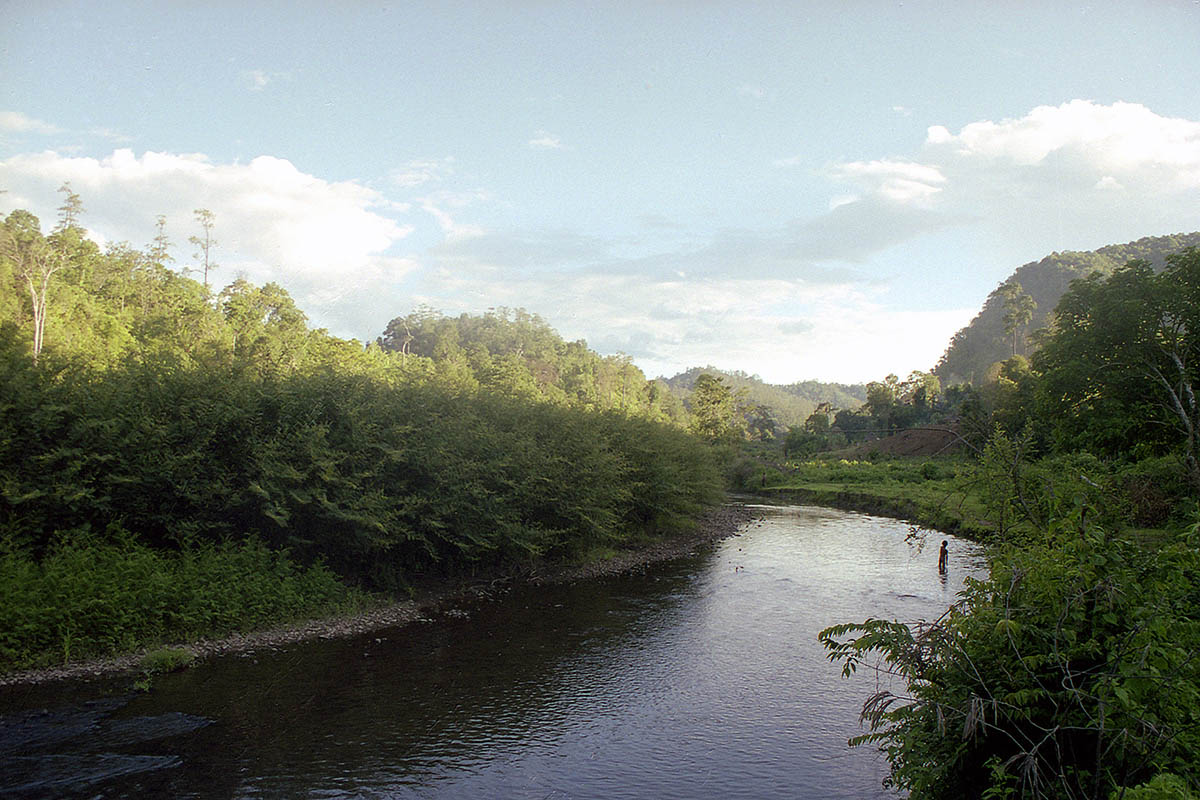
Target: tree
<point>761,422</point>
<point>881,399</point>
<point>206,243</point>
<point>71,209</point>
<point>1018,309</point>
<point>920,389</point>
<point>1121,366</point>
<point>34,263</point>
<point>159,251</point>
<point>714,409</point>
<point>818,421</point>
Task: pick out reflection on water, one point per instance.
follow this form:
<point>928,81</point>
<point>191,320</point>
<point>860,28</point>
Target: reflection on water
<point>699,678</point>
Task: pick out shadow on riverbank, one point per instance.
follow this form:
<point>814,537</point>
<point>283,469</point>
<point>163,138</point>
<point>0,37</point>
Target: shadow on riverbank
<point>716,524</point>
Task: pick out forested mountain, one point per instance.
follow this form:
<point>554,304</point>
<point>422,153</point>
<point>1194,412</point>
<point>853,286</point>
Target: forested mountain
<point>990,337</point>
<point>152,425</point>
<point>514,353</point>
<point>790,405</point>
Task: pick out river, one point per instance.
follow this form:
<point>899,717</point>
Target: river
<point>700,677</point>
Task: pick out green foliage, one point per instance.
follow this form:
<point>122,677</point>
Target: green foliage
<point>789,406</point>
<point>1070,672</point>
<point>515,354</point>
<point>1164,786</point>
<point>92,596</point>
<point>985,341</point>
<point>166,659</point>
<point>204,425</point>
<point>1121,370</point>
<point>715,408</point>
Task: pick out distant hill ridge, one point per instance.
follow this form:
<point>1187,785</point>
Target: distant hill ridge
<point>983,341</point>
<point>791,405</point>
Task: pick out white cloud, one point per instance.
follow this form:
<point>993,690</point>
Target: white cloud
<point>422,171</point>
<point>1077,175</point>
<point>273,222</point>
<point>784,330</point>
<point>902,181</point>
<point>17,122</point>
<point>543,140</point>
<point>1119,138</point>
<point>256,79</point>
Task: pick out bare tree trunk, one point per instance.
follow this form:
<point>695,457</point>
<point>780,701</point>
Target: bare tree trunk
<point>37,266</point>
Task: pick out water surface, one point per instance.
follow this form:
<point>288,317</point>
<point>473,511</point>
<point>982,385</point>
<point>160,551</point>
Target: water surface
<point>699,678</point>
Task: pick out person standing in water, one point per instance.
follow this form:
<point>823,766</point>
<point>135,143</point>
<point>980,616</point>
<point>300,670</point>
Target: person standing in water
<point>943,558</point>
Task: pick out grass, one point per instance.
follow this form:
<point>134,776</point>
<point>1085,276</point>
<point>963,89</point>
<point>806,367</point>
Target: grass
<point>933,493</point>
<point>1145,500</point>
<point>94,596</point>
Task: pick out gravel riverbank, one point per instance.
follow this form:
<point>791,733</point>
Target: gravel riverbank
<point>715,525</point>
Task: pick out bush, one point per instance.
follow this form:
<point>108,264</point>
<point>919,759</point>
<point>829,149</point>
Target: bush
<point>166,659</point>
<point>92,597</point>
<point>1071,672</point>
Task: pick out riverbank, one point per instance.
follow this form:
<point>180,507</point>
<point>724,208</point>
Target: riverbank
<point>945,516</point>
<point>718,523</point>
<point>936,494</point>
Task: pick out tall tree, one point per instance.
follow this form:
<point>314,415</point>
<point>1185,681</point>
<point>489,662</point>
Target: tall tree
<point>881,399</point>
<point>1018,309</point>
<point>35,263</point>
<point>206,243</point>
<point>159,250</point>
<point>714,409</point>
<point>71,209</point>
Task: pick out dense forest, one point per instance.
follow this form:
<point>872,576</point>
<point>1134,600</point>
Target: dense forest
<point>179,461</point>
<point>150,425</point>
<point>786,406</point>
<point>1004,328</point>
<point>1073,670</point>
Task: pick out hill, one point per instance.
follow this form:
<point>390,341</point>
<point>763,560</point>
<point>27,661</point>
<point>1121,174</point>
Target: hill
<point>983,342</point>
<point>791,405</point>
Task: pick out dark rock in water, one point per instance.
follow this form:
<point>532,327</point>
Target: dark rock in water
<point>50,775</point>
<point>22,734</point>
<point>117,733</point>
<point>81,738</point>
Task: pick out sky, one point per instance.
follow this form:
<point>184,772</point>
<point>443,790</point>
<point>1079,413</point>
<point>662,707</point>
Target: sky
<point>797,190</point>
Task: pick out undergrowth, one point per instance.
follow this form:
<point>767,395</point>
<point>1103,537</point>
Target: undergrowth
<point>95,596</point>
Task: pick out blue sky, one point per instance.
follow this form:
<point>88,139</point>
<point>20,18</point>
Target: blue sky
<point>797,190</point>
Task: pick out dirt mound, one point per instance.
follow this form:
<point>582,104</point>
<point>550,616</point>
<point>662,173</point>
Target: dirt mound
<point>914,443</point>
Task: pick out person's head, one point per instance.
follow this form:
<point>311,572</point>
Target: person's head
<point>944,543</point>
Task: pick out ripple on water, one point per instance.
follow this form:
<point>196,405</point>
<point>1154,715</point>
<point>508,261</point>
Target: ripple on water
<point>701,678</point>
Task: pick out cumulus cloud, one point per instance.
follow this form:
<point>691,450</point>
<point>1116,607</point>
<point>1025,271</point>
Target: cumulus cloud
<point>273,222</point>
<point>1117,138</point>
<point>1080,174</point>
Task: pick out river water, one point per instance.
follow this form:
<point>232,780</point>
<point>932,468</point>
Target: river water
<point>698,678</point>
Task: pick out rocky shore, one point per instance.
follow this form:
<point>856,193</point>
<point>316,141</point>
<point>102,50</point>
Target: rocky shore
<point>715,525</point>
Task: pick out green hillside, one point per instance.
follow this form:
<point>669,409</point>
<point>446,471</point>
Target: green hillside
<point>984,341</point>
<point>790,405</point>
